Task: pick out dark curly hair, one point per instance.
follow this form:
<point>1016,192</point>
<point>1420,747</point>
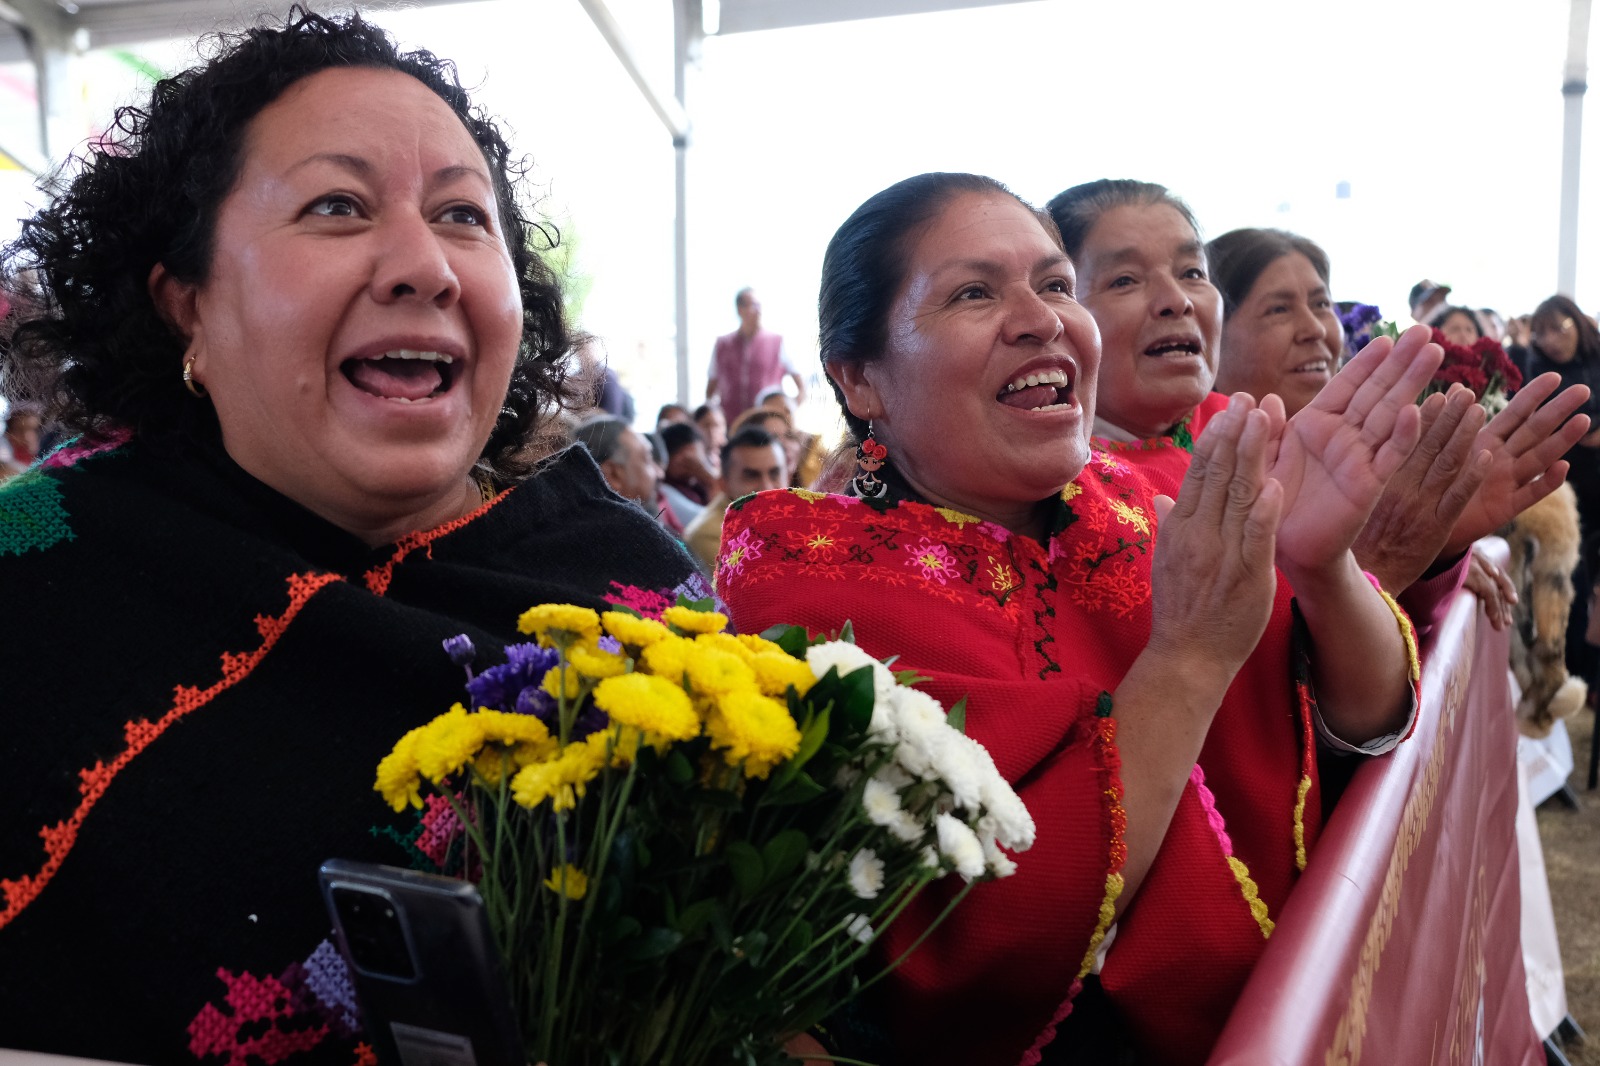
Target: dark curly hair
<point>96,350</point>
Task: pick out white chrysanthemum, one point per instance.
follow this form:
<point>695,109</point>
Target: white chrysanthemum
<point>1006,817</point>
<point>845,778</point>
<point>859,927</point>
<point>846,658</point>
<point>959,844</point>
<point>880,800</point>
<point>907,827</point>
<point>866,874</point>
<point>930,858</point>
<point>999,862</point>
<point>961,770</point>
<point>895,777</point>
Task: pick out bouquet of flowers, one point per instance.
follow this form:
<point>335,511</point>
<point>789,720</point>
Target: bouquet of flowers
<point>688,840</point>
<point>1484,368</point>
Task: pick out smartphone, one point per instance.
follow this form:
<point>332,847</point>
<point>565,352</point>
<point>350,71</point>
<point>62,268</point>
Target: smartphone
<point>427,975</point>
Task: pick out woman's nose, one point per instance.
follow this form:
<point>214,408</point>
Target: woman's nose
<point>1168,299</point>
<point>413,263</point>
<point>1309,326</point>
<point>1030,315</point>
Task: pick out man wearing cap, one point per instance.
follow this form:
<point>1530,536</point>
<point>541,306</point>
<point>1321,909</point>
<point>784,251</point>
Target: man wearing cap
<point>1427,297</point>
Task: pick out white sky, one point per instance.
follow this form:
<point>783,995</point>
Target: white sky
<point>1443,117</point>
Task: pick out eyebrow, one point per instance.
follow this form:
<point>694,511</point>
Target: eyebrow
<point>1289,294</point>
<point>1131,254</point>
<point>990,266</point>
<point>363,167</point>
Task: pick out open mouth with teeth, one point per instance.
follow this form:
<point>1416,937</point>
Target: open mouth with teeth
<point>402,375</point>
<point>1315,366</point>
<point>1041,391</point>
<point>1173,347</point>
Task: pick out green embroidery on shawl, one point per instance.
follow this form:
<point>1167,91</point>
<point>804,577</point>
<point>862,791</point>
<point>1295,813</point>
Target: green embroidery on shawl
<point>32,517</point>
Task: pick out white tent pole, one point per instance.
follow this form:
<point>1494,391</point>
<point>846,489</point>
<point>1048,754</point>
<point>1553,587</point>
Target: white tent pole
<point>1574,84</point>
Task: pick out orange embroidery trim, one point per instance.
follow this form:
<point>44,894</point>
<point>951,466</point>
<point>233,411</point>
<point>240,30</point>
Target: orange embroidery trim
<point>378,577</point>
<point>93,782</point>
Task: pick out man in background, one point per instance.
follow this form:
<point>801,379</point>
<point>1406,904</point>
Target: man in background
<point>749,361</point>
<point>629,465</point>
<point>1427,299</point>
<point>752,461</point>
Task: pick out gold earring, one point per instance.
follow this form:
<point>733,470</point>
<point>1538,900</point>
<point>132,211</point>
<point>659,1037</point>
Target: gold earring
<point>189,382</point>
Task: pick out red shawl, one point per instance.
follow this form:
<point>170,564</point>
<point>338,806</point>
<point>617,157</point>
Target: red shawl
<point>1033,635</point>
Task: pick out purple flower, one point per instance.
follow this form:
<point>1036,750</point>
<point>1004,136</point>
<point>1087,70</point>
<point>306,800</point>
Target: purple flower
<point>507,687</point>
<point>537,702</point>
<point>610,645</point>
<point>460,649</point>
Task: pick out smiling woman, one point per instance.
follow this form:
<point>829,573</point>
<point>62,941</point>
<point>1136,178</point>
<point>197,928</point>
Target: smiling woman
<point>291,318</point>
<point>1020,569</point>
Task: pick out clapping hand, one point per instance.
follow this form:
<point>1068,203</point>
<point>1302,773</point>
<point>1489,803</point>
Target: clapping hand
<point>1335,456</point>
<point>1423,502</point>
<point>1526,442</point>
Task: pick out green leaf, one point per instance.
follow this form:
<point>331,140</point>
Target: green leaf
<point>624,609</point>
<point>853,708</point>
<point>910,678</point>
<point>813,731</point>
<point>957,718</point>
<point>679,770</point>
<point>847,632</point>
<point>792,639</point>
<point>799,789</point>
<point>745,863</point>
<point>799,938</point>
<point>622,929</point>
<point>751,946</point>
<point>704,606</point>
<point>782,855</point>
<point>696,916</point>
<point>654,944</point>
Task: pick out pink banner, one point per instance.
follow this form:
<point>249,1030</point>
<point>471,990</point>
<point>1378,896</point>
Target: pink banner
<point>1402,941</point>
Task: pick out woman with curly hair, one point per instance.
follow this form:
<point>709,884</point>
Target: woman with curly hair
<point>291,313</point>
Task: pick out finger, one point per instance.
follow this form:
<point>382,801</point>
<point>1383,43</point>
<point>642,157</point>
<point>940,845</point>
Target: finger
<point>1393,389</point>
<point>1536,459</point>
<point>1440,454</point>
<point>1250,467</point>
<point>1538,488</point>
<point>1163,505</point>
<point>1404,430</point>
<point>1525,422</point>
<point>1459,490</point>
<point>1259,538</point>
<point>1210,502</point>
<point>1508,588</point>
<point>1354,374</point>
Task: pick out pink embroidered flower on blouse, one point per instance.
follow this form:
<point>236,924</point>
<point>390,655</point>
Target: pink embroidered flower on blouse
<point>744,548</point>
<point>933,559</point>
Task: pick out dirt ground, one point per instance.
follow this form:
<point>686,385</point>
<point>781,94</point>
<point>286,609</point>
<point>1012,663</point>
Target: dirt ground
<point>1571,841</point>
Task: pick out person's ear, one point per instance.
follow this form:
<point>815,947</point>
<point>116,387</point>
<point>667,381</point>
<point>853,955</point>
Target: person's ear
<point>854,381</point>
<point>177,302</point>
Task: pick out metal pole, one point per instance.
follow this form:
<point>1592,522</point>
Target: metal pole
<point>1574,84</point>
<point>685,41</point>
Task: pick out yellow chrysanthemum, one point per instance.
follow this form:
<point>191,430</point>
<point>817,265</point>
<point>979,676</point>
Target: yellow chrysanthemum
<point>753,730</point>
<point>620,744</point>
<point>714,672</point>
<point>494,763</point>
<point>758,645</point>
<point>500,727</point>
<point>561,780</point>
<point>692,621</point>
<point>777,671</point>
<point>569,881</point>
<point>632,631</point>
<point>595,663</point>
<point>563,684</point>
<point>448,743</point>
<point>667,658</point>
<point>398,781</point>
<point>559,624</point>
<point>650,703</point>
<point>725,642</point>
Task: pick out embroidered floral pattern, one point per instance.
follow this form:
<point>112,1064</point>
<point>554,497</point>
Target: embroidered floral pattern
<point>745,548</point>
<point>933,559</point>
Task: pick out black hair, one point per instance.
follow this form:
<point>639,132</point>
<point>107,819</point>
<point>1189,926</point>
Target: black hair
<point>739,297</point>
<point>601,434</point>
<point>1559,307</point>
<point>1076,210</point>
<point>95,347</point>
<point>661,414</point>
<point>1440,316</point>
<point>1239,257</point>
<point>675,436</point>
<point>866,262</point>
<point>748,437</point>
